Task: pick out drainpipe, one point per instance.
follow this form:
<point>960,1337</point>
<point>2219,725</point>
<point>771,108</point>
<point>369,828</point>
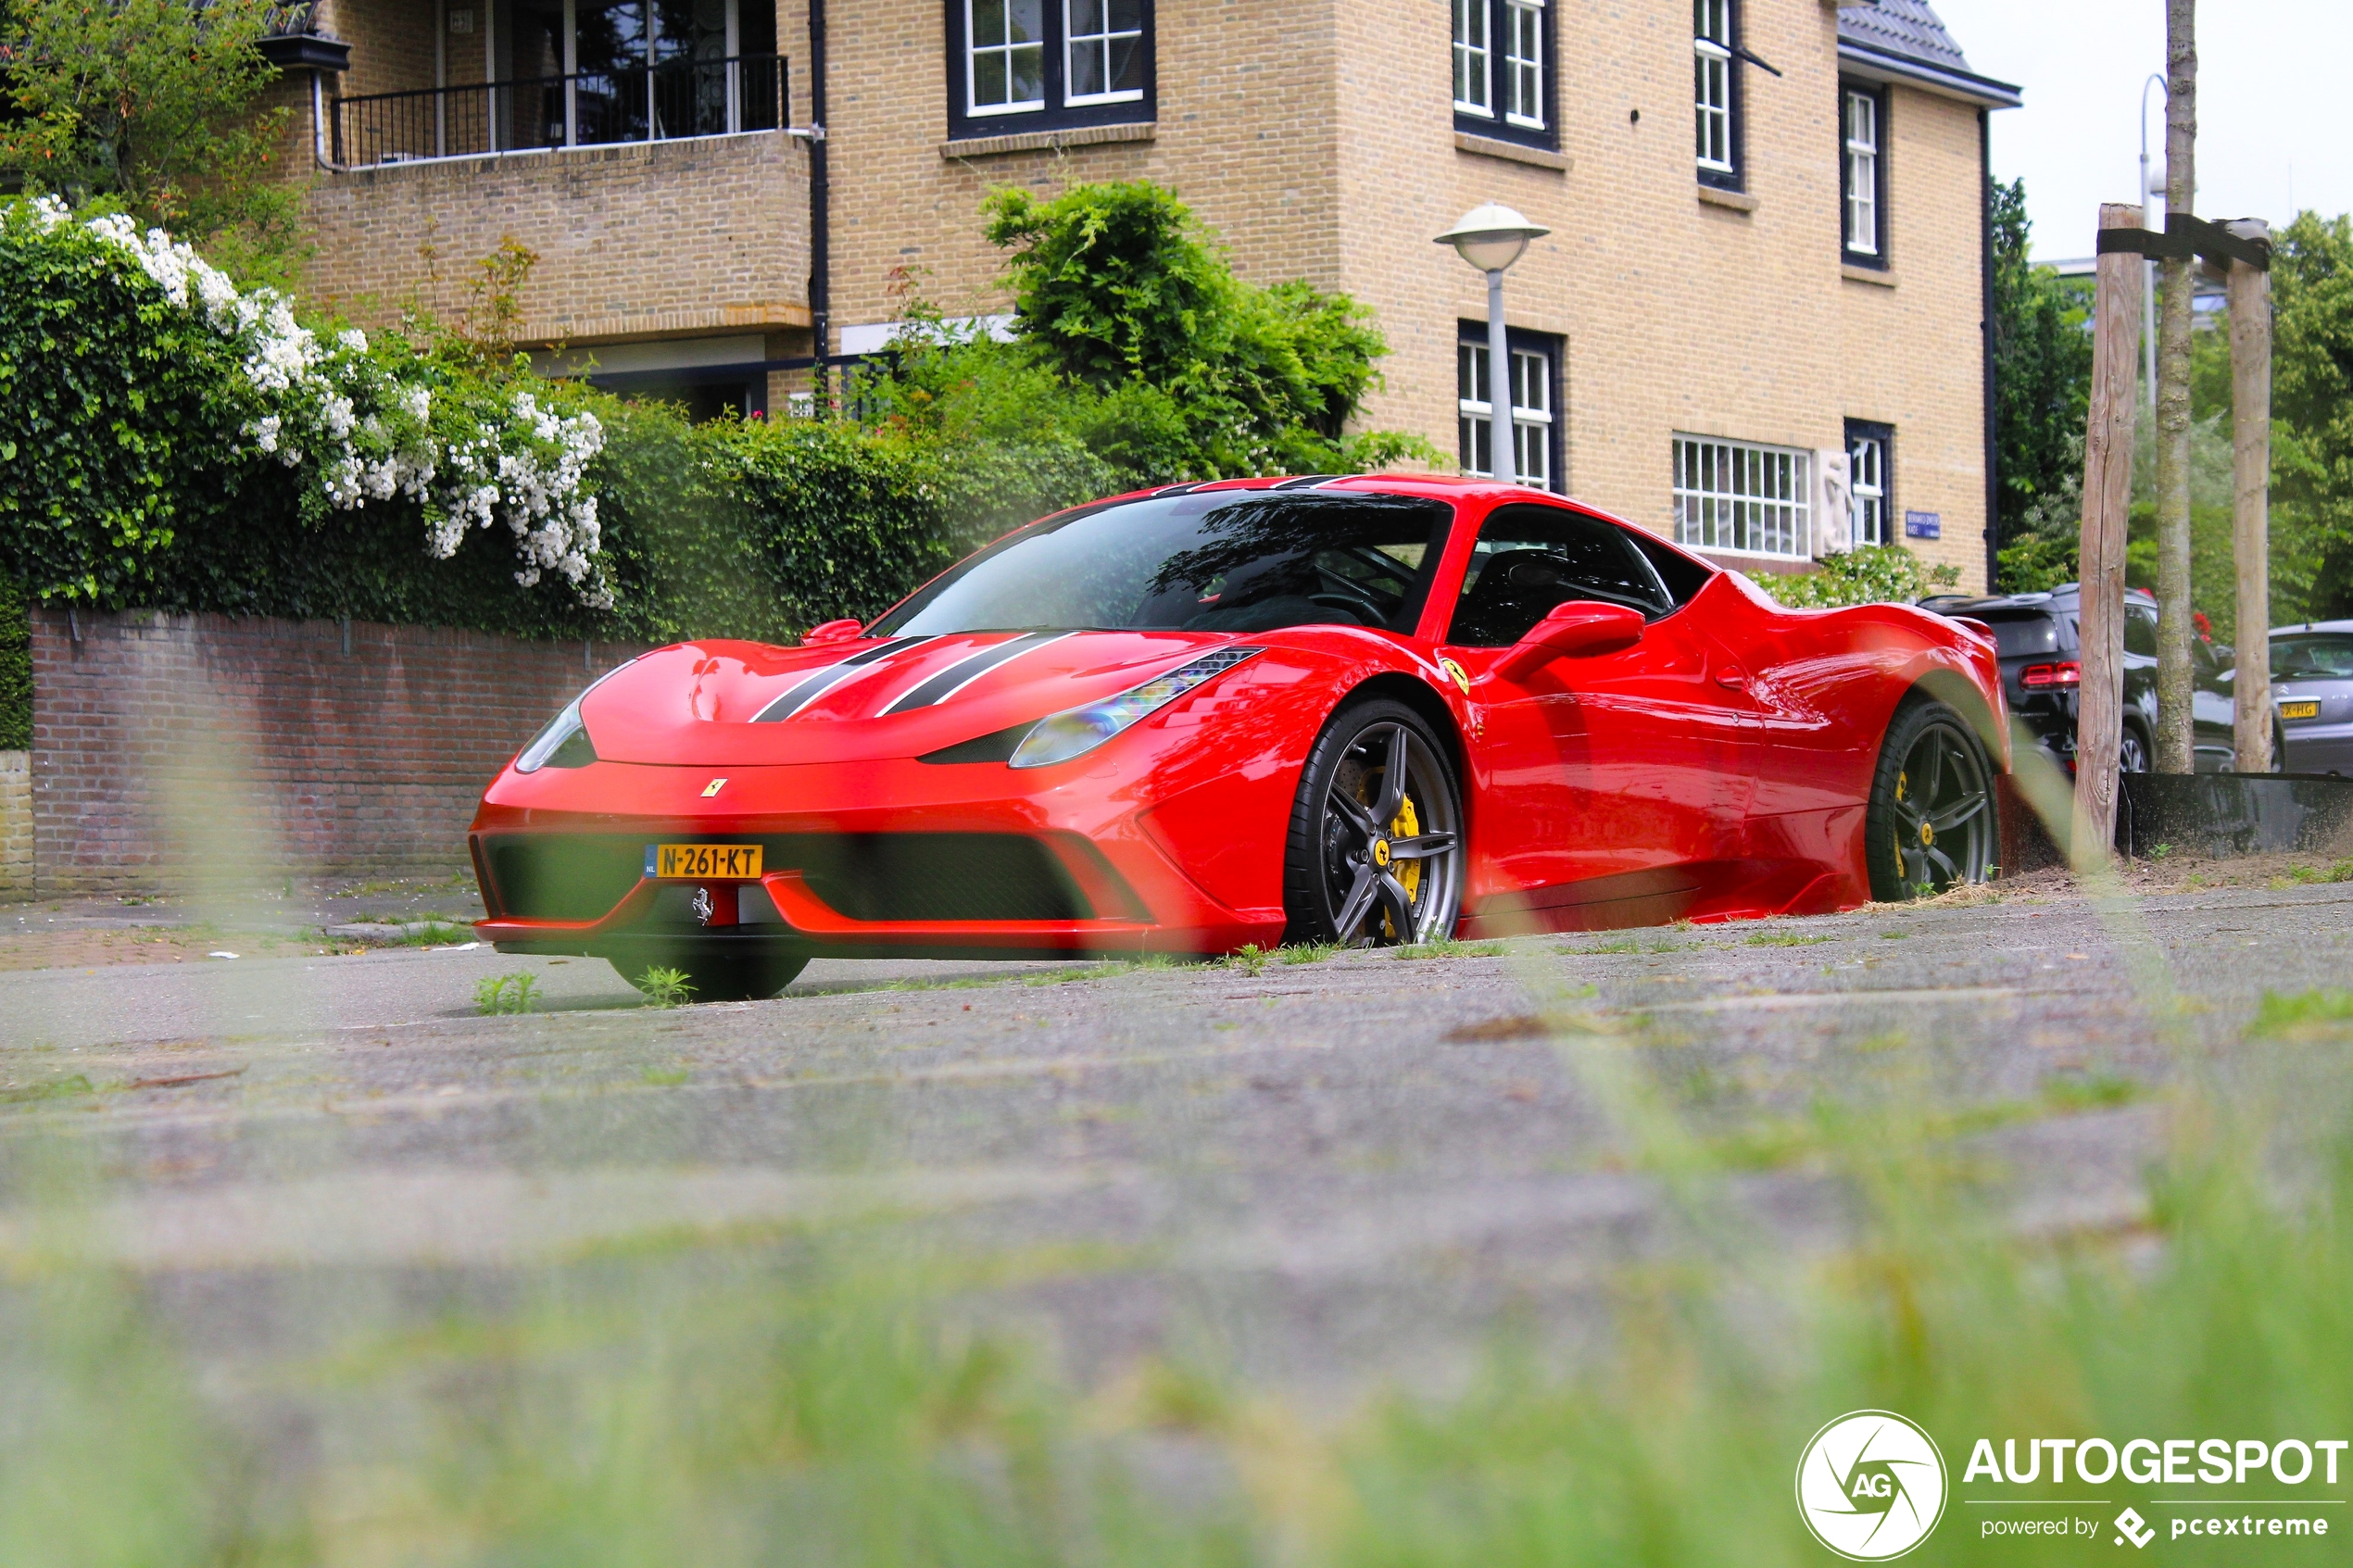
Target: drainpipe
<point>819,258</point>
<point>319,122</point>
<point>1986,275</point>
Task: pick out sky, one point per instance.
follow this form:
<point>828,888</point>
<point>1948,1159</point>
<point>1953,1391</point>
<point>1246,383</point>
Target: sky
<point>2275,105</point>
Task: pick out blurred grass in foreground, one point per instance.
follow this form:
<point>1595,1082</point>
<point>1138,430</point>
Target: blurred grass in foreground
<point>820,1399</point>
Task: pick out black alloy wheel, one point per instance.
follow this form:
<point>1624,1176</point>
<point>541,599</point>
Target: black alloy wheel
<point>1374,853</point>
<point>718,978</point>
<point>1931,824</point>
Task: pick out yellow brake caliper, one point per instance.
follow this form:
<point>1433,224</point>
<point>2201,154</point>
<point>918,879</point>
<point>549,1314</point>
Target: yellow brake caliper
<point>1902,779</point>
<point>1407,824</point>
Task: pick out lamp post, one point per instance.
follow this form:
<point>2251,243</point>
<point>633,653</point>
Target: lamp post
<point>2148,268</point>
<point>1490,237</point>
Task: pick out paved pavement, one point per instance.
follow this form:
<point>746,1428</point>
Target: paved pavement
<point>1333,1171</point>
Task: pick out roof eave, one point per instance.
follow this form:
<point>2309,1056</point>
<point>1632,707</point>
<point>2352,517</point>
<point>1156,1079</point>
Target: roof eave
<point>1885,65</point>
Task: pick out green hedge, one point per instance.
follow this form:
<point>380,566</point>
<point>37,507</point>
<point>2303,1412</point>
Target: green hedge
<point>16,670</point>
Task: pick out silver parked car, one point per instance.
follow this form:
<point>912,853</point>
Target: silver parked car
<point>2312,694</point>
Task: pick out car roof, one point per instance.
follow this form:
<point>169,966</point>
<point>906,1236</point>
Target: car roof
<point>2066,597</point>
<point>1441,486</point>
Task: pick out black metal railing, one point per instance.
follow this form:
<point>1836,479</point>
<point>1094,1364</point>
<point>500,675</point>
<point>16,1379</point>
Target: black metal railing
<point>658,103</point>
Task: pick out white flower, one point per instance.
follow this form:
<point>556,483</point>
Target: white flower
<point>372,432</point>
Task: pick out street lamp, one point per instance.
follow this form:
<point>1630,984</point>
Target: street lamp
<point>2148,268</point>
<point>1491,237</point>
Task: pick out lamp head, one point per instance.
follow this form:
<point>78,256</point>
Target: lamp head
<point>1491,237</point>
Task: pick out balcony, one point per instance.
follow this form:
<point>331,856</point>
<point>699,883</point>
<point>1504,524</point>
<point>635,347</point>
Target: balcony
<point>671,100</point>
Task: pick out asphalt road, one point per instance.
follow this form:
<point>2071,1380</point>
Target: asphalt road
<point>1336,1173</point>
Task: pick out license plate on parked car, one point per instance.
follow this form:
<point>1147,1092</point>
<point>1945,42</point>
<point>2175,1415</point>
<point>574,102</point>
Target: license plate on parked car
<point>2299,710</point>
<point>695,862</point>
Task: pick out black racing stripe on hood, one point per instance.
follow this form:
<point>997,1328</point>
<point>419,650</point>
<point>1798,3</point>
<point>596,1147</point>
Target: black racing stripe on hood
<point>801,693</point>
<point>964,672</point>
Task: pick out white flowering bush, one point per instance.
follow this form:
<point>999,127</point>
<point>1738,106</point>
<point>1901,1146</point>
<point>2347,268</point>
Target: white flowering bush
<point>365,422</point>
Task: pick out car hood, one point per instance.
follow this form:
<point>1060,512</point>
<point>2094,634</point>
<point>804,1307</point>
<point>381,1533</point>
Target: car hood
<point>735,704</point>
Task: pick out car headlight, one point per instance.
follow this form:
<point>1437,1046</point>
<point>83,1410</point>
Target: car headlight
<point>564,742</point>
<point>1073,732</point>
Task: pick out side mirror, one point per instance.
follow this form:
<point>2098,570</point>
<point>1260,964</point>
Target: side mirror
<point>817,636</point>
<point>1580,628</point>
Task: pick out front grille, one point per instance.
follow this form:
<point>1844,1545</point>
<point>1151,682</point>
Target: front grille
<point>564,876</point>
<point>873,876</point>
<point>929,876</point>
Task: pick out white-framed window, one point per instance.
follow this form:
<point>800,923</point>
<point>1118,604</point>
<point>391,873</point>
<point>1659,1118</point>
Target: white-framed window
<point>1524,63</point>
<point>1860,174</point>
<point>1474,59</point>
<point>1742,497</point>
<point>1005,62</point>
<point>1532,414</point>
<point>1105,50</point>
<point>1867,483</point>
<point>1712,82</point>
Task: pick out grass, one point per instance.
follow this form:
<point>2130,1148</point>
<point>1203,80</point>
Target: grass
<point>1447,947</point>
<point>1786,940</point>
<point>499,993</point>
<point>665,987</point>
<point>2301,1012</point>
<point>71,1088</point>
<point>2303,875</point>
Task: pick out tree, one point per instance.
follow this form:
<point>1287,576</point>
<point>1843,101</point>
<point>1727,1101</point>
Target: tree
<point>2042,396</point>
<point>2313,419</point>
<point>148,106</point>
<point>1126,295</point>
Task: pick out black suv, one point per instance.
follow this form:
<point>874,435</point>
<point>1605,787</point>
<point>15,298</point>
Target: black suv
<point>2042,671</point>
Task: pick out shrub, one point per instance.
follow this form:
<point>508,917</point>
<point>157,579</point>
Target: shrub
<point>15,669</point>
<point>1135,340</point>
<point>1867,574</point>
<point>194,391</point>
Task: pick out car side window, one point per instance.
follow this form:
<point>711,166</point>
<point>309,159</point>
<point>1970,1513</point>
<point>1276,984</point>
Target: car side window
<point>1530,559</point>
<point>2140,631</point>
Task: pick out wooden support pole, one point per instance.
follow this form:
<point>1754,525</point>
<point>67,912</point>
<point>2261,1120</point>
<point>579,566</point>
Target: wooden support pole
<point>2107,499</point>
<point>2249,293</point>
<point>2174,734</point>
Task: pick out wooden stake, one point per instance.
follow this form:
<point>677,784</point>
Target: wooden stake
<point>2249,292</point>
<point>2175,738</point>
<point>2107,499</point>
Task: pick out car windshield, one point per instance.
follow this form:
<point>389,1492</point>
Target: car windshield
<point>2023,636</point>
<point>1225,561</point>
<point>2312,653</point>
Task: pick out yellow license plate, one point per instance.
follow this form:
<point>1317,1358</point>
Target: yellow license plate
<point>2299,710</point>
<point>699,862</point>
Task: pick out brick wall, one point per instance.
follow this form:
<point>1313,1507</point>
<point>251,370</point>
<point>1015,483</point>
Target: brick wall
<point>641,240</point>
<point>16,825</point>
<point>170,745</point>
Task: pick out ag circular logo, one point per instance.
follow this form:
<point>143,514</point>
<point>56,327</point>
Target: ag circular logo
<point>1871,1486</point>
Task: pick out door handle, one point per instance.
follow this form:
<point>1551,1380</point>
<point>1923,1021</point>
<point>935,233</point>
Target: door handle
<point>1731,678</point>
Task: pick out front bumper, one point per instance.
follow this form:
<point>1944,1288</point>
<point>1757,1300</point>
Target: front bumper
<point>893,857</point>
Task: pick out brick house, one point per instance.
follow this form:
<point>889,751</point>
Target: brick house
<point>1758,325</point>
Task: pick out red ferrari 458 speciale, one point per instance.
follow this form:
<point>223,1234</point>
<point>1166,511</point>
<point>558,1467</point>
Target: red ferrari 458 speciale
<point>1370,710</point>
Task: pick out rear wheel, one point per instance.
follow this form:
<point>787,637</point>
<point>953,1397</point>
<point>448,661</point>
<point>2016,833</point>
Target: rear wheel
<point>1931,824</point>
<point>713,979</point>
<point>1374,853</point>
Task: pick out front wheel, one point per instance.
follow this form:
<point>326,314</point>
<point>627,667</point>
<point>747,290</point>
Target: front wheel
<point>718,979</point>
<point>1375,852</point>
<point>1931,824</point>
